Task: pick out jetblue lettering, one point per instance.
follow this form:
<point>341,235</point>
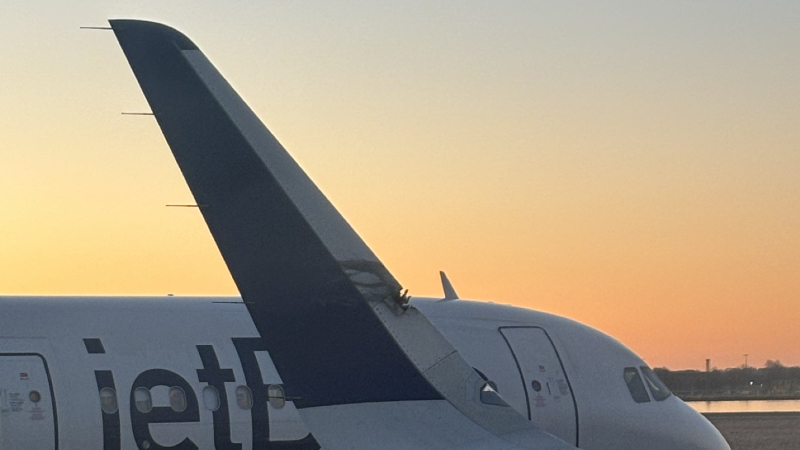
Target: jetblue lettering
<point>141,421</point>
<point>216,377</point>
<point>259,414</point>
<point>111,435</point>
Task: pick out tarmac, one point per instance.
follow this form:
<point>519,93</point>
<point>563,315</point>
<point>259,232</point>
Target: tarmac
<point>759,431</point>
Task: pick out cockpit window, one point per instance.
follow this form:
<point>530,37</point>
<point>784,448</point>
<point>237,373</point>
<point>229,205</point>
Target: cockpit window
<point>635,385</point>
<point>657,387</point>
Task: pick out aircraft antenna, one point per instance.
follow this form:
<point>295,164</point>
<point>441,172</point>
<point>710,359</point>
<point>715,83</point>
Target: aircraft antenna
<point>449,291</point>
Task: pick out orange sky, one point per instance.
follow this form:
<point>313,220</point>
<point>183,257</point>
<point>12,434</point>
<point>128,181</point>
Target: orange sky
<point>632,167</point>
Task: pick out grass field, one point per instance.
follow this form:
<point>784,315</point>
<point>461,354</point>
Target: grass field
<point>759,431</point>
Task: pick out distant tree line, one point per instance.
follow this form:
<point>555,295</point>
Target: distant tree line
<point>773,381</point>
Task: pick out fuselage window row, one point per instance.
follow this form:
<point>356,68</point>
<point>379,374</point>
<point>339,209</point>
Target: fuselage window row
<point>177,399</point>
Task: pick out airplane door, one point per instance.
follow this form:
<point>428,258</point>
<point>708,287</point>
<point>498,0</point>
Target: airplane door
<point>27,419</point>
<point>551,405</point>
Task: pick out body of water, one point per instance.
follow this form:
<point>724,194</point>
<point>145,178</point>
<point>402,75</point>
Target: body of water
<point>746,406</point>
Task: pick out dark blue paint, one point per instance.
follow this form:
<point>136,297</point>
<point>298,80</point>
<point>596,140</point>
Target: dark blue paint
<point>111,434</point>
<point>216,377</point>
<point>246,348</point>
<point>324,339</point>
<point>140,421</point>
<point>94,346</point>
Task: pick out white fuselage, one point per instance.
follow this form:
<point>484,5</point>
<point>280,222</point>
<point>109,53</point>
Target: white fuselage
<point>198,364</point>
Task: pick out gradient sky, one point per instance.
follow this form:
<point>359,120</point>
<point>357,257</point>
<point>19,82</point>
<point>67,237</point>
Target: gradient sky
<point>634,165</point>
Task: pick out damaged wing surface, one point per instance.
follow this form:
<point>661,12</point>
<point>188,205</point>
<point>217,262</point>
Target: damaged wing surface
<point>366,370</point>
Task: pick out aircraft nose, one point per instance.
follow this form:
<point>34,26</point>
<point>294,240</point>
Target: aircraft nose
<point>712,439</point>
<point>683,428</point>
<point>702,434</point>
<point>717,442</point>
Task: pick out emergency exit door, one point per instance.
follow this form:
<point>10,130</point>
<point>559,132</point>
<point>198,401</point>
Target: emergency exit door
<point>551,404</point>
<point>27,419</point>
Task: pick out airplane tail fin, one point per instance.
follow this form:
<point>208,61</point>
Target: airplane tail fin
<point>334,320</point>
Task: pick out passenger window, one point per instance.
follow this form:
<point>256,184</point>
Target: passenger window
<point>144,402</point>
<point>177,399</point>
<point>108,400</point>
<point>635,385</point>
<point>211,398</point>
<point>657,387</point>
<point>244,398</point>
<point>277,396</point>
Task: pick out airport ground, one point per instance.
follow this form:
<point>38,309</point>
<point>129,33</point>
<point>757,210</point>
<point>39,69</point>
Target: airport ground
<point>759,431</point>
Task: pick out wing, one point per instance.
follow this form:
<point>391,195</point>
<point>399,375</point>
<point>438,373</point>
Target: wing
<point>366,368</point>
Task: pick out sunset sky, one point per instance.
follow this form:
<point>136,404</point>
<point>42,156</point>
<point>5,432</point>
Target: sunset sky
<point>634,165</point>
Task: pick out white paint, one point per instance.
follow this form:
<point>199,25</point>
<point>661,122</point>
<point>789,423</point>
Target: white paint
<point>25,424</point>
<point>145,333</point>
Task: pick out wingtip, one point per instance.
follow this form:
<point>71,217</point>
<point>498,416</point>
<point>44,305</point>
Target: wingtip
<point>146,31</point>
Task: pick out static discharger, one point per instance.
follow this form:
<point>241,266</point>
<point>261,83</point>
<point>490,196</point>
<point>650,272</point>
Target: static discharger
<point>187,206</point>
<point>137,114</point>
<point>96,28</point>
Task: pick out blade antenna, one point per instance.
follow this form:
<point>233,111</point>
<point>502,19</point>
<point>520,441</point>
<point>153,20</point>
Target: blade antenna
<point>447,286</point>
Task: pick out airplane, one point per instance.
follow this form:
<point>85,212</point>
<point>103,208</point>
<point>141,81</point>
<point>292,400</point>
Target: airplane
<point>324,349</point>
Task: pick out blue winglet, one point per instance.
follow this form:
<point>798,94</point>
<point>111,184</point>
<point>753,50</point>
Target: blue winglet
<point>302,269</point>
